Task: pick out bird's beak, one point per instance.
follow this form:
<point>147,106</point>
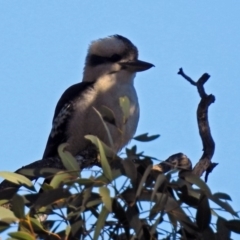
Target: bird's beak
<point>136,66</point>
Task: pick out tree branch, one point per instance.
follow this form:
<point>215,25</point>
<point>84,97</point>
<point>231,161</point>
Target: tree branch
<point>203,124</point>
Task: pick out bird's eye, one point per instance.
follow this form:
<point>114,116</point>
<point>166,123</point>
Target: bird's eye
<point>115,58</point>
<point>95,60</point>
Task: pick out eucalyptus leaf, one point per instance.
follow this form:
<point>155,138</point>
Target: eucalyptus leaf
<point>222,196</point>
<point>233,225</point>
<point>8,214</point>
<point>17,179</point>
<point>125,105</point>
<point>105,126</point>
<point>145,138</point>
<point>20,235</point>
<point>107,115</point>
<point>104,162</point>
<point>143,180</point>
<point>105,194</point>
<point>18,206</point>
<point>69,162</point>
<point>100,222</point>
<point>192,178</point>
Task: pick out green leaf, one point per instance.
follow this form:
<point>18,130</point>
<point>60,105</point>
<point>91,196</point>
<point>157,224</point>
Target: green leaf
<point>190,177</point>
<point>104,162</point>
<point>7,214</point>
<point>36,225</point>
<point>224,205</point>
<point>67,231</point>
<point>233,225</point>
<point>61,177</point>
<point>21,235</point>
<point>143,180</point>
<point>222,196</point>
<point>130,170</point>
<point>159,181</point>
<point>145,138</point>
<point>39,172</point>
<point>105,194</point>
<point>17,179</point>
<point>203,215</point>
<point>4,226</point>
<point>108,151</point>
<point>222,231</point>
<point>107,115</point>
<point>155,225</point>
<point>120,214</point>
<point>131,152</point>
<point>160,205</point>
<point>100,222</point>
<point>18,206</point>
<point>208,234</point>
<point>125,106</point>
<point>51,196</point>
<point>93,203</point>
<point>68,160</point>
<point>135,222</point>
<point>103,180</point>
<point>106,127</point>
<point>88,182</point>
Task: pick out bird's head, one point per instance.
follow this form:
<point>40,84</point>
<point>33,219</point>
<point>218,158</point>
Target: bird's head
<point>112,55</point>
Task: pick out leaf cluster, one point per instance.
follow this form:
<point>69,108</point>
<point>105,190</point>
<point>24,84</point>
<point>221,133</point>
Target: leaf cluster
<point>143,207</point>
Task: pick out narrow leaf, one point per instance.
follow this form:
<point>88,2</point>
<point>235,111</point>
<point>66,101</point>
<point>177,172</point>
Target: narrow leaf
<point>222,196</point>
<point>88,182</point>
<point>160,205</point>
<point>143,180</point>
<point>20,235</point>
<point>100,222</point>
<point>104,162</point>
<point>67,231</point>
<point>107,115</point>
<point>190,177</point>
<point>68,160</point>
<point>105,126</point>
<point>51,196</point>
<point>4,226</point>
<point>105,194</point>
<point>103,180</point>
<point>120,214</point>
<point>39,172</point>
<point>18,206</point>
<point>208,234</point>
<point>159,181</point>
<point>132,152</point>
<point>203,215</point>
<point>130,170</point>
<point>6,213</point>
<point>17,179</point>
<point>145,138</point>
<point>60,178</point>
<point>125,105</point>
<point>222,231</point>
<point>132,214</point>
<point>108,151</point>
<point>93,203</point>
<point>224,205</point>
<point>233,225</point>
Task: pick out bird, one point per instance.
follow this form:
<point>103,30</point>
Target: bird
<point>110,67</point>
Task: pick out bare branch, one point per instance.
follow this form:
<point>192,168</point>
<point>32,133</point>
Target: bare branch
<point>203,124</point>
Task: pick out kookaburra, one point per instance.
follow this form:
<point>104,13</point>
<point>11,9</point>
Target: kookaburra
<point>109,72</point>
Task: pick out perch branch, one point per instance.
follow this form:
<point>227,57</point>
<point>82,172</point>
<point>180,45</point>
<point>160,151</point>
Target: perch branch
<point>203,124</point>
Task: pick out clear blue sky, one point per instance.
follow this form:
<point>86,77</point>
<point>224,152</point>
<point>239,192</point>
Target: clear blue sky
<point>42,50</point>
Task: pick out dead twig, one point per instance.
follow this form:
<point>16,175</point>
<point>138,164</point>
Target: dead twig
<point>204,164</point>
